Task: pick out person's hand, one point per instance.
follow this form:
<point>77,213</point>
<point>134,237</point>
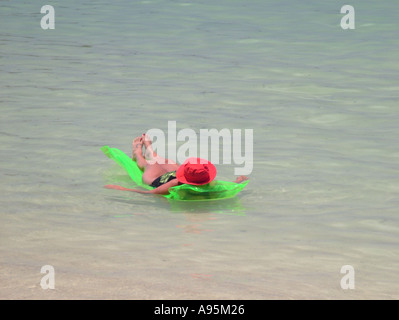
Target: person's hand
<point>241,179</point>
<point>112,186</point>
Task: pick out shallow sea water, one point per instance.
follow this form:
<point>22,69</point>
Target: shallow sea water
<point>323,106</point>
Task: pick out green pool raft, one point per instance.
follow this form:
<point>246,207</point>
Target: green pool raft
<point>214,190</point>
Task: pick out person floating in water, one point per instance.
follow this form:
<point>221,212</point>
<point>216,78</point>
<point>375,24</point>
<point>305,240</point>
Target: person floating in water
<point>163,174</point>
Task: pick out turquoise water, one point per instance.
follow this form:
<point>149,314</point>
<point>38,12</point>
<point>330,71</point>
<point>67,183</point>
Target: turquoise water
<point>323,106</point>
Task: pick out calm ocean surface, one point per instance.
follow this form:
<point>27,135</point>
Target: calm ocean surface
<point>323,104</point>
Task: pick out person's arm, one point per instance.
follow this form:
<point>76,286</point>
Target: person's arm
<point>241,179</point>
<point>163,189</point>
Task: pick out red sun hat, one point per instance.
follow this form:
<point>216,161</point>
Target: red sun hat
<point>196,171</point>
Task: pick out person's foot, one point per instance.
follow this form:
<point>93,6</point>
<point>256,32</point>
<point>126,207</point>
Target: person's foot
<point>241,179</point>
<point>137,146</point>
<point>149,153</point>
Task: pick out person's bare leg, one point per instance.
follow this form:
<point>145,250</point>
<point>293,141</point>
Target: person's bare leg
<point>152,170</point>
<point>137,143</point>
<point>138,153</point>
<point>149,153</point>
<point>152,157</point>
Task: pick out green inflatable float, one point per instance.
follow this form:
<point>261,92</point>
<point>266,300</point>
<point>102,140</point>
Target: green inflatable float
<point>185,192</point>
